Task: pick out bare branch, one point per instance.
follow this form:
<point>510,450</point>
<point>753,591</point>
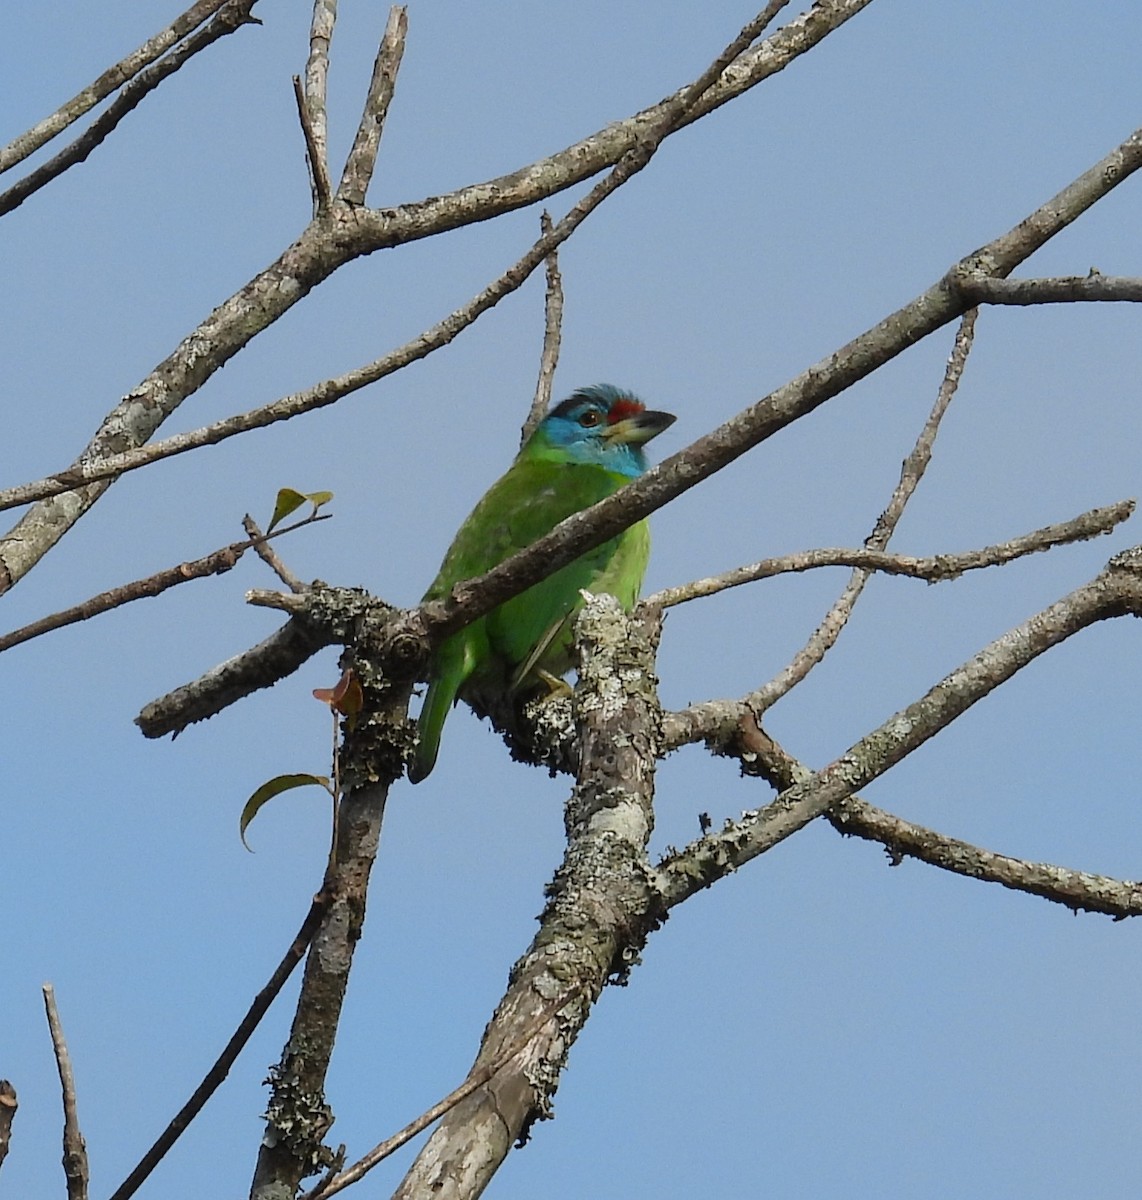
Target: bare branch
<point>110,81</point>
<point>8,1106</point>
<point>314,152</point>
<point>346,234</point>
<point>75,1166</point>
<point>265,552</point>
<point>232,15</point>
<point>1066,290</point>
<point>552,333</point>
<point>604,872</point>
<point>297,1118</point>
<point>824,637</point>
<point>477,1077</point>
<point>263,665</point>
<point>316,92</point>
<point>1077,890</point>
<point>936,568</point>
<point>217,563</point>
<point>1116,591</point>
<point>229,1055</point>
<point>362,158</point>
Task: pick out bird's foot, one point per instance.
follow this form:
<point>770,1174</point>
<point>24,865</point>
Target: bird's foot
<point>555,685</point>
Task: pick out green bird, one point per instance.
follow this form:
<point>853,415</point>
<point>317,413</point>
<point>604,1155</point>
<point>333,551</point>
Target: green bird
<point>585,449</point>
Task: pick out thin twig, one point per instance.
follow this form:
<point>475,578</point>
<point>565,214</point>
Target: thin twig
<point>314,257</point>
<point>229,1055</point>
<point>75,1166</point>
<point>110,81</point>
<point>153,585</point>
<point>314,152</point>
<point>362,158</point>
<point>231,16</point>
<point>935,568</point>
<point>1115,592</point>
<point>477,1077</point>
<point>317,87</point>
<point>1077,890</point>
<point>912,471</point>
<point>265,552</point>
<point>552,333</point>
<point>1065,290</point>
<point>332,390</point>
<point>8,1106</point>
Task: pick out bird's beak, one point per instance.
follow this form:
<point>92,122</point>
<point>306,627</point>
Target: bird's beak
<point>640,428</point>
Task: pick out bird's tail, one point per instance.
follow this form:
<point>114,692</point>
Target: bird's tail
<point>429,725</point>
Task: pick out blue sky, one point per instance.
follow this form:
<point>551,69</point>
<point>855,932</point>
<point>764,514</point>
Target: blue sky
<point>819,1024</point>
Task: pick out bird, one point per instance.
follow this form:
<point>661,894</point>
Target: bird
<point>585,449</point>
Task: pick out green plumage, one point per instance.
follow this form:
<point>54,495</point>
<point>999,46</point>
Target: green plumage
<point>501,655</point>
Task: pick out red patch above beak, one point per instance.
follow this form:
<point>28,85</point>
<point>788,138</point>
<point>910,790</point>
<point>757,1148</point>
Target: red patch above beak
<point>624,408</point>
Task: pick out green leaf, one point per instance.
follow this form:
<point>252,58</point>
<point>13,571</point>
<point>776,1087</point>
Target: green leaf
<point>270,789</point>
<point>290,500</point>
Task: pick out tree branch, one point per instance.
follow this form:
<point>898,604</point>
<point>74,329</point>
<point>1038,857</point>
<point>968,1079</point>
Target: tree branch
<point>8,1106</point>
<point>297,1118</point>
<point>900,838</point>
<point>936,568</point>
<point>232,15</point>
<point>314,151</point>
<point>1116,591</point>
<point>1067,290</point>
<point>216,563</point>
<point>346,233</point>
<point>362,158</point>
<point>110,81</point>
<point>941,303</point>
<point>313,100</point>
<point>75,1166</point>
<point>601,908</point>
<point>222,1064</point>
<point>552,335</point>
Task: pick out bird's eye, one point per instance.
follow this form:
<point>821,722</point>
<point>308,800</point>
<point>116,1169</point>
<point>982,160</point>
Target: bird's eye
<point>590,417</point>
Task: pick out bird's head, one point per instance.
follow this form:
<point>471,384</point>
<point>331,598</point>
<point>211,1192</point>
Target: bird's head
<point>605,426</point>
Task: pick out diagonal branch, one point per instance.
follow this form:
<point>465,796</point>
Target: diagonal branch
<point>552,335</point>
<point>313,100</point>
<point>217,563</point>
<point>825,636</point>
<point>935,568</point>
<point>110,81</point>
<point>231,16</point>
<point>601,908</point>
<point>349,232</point>
<point>222,1064</point>
<point>1077,890</point>
<point>1116,591</point>
<point>75,1166</point>
<point>362,160</point>
<point>939,304</point>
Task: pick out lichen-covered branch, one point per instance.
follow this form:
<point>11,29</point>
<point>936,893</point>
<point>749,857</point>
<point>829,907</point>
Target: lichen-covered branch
<point>298,1116</point>
<point>1116,591</point>
<point>933,568</point>
<point>856,817</point>
<point>601,907</point>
